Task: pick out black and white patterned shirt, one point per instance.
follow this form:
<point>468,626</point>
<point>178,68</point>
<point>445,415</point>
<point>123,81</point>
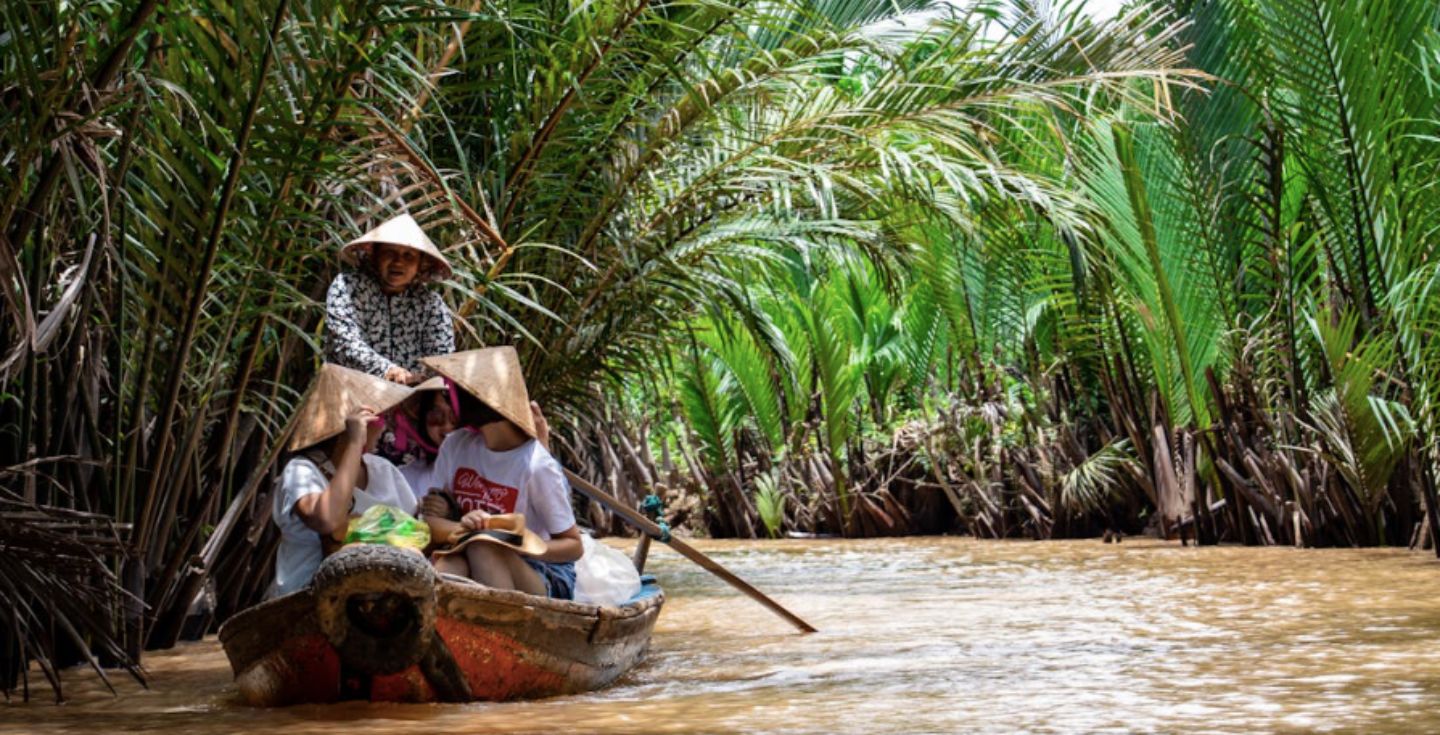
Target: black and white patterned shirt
<point>370,331</point>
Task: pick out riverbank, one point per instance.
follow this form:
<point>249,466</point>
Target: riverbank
<point>935,635</point>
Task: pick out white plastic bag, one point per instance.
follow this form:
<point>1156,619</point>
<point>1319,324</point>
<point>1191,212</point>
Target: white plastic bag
<point>604,575</point>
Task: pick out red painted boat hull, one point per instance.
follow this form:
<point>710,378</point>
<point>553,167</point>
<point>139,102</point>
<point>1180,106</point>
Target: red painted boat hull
<point>478,644</point>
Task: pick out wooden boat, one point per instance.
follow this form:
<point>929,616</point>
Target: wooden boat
<point>378,623</point>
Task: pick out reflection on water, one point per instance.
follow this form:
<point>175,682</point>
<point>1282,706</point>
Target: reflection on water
<point>936,635</point>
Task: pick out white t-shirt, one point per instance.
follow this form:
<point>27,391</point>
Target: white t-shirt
<point>420,473</point>
<point>300,552</point>
<point>522,480</point>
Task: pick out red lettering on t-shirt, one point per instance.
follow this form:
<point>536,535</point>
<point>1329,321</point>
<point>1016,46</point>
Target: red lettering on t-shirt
<point>475,492</point>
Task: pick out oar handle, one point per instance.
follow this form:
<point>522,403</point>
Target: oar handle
<point>636,519</point>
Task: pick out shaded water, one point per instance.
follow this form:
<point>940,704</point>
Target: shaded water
<point>936,635</point>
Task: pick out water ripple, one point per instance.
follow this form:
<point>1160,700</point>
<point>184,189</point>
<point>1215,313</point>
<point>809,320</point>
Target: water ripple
<point>940,635</point>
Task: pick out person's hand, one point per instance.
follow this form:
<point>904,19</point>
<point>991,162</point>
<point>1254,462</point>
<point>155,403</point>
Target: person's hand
<point>357,424</point>
<point>474,520</point>
<point>542,427</point>
<point>397,374</point>
<point>434,505</point>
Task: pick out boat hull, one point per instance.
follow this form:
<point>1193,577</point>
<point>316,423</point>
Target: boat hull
<point>467,642</point>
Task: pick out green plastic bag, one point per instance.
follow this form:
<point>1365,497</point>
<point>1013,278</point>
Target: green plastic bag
<point>388,525</point>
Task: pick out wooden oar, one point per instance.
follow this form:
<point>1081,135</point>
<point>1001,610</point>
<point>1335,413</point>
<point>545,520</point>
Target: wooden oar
<point>710,565</point>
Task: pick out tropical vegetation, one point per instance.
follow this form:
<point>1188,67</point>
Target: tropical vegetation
<point>1219,323</point>
<point>843,266</point>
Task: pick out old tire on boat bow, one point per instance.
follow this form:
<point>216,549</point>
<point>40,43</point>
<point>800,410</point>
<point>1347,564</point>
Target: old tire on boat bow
<point>376,606</point>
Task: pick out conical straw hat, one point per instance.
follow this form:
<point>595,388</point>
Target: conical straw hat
<point>417,395</point>
<point>492,375</point>
<point>403,231</point>
<point>336,393</point>
<point>435,383</point>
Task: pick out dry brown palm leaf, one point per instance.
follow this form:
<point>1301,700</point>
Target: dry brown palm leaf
<point>55,574</point>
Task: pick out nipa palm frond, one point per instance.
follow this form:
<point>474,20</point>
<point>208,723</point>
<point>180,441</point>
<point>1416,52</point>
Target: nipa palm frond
<point>1088,486</point>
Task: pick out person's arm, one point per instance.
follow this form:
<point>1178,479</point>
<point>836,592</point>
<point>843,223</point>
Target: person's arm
<point>564,546</point>
<point>542,426</point>
<point>299,479</point>
<point>435,507</point>
<point>328,511</point>
<point>346,344</point>
<point>435,511</point>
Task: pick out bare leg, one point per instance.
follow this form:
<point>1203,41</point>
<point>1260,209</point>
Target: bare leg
<point>526,578</point>
<point>488,567</point>
<point>496,567</point>
<point>452,564</point>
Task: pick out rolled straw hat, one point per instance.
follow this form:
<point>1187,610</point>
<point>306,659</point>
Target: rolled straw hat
<point>506,531</point>
<point>492,375</point>
<point>336,393</point>
<point>405,232</point>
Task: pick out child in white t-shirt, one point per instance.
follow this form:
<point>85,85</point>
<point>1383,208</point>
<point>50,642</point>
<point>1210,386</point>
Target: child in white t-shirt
<point>493,465</point>
<point>332,475</point>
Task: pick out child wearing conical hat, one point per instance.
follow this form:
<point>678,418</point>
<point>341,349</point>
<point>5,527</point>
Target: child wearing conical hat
<point>382,315</point>
<point>332,473</point>
<point>421,425</point>
<point>491,470</point>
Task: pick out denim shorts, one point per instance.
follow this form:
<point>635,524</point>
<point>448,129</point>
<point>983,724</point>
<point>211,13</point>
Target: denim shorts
<point>559,577</point>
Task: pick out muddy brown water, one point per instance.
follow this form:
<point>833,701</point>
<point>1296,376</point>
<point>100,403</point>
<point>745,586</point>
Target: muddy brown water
<point>933,635</point>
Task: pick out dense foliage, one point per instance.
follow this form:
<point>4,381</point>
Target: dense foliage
<point>846,265</point>
<point>1223,327</point>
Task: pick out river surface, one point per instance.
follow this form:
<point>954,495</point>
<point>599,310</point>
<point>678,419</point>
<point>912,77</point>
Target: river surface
<point>933,636</point>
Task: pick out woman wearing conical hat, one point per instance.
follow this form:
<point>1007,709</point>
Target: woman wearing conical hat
<point>383,315</point>
<point>332,474</point>
<point>494,481</point>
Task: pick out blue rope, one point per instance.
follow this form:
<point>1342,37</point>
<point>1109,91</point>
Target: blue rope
<point>654,507</point>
